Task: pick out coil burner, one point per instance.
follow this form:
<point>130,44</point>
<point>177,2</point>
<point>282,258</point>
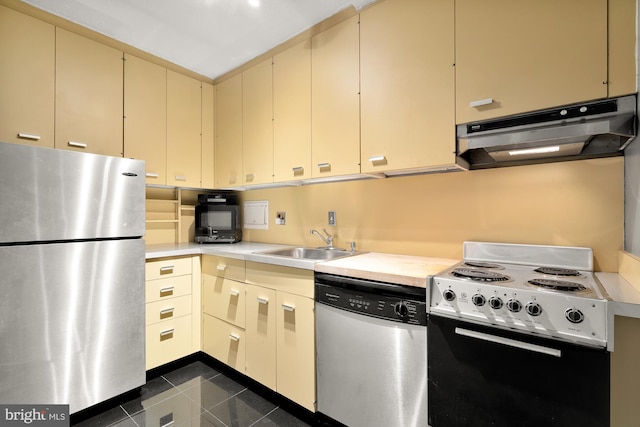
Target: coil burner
<point>556,271</point>
<point>558,285</point>
<point>480,275</point>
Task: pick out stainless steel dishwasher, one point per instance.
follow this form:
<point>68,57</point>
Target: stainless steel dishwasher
<point>371,344</point>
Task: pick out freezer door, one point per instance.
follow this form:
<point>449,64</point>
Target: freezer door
<point>71,322</point>
<point>53,195</point>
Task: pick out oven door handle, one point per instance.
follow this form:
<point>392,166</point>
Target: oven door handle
<point>509,342</point>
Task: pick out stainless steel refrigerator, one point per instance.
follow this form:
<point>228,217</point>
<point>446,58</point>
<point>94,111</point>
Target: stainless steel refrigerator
<point>71,276</point>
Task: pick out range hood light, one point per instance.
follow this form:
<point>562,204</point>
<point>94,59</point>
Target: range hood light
<point>541,150</point>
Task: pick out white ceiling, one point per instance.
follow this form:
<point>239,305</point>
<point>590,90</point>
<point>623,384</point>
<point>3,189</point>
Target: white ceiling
<point>209,37</point>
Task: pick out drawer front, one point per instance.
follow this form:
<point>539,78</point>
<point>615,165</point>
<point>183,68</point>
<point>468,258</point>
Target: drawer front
<point>228,268</point>
<point>167,309</point>
<point>224,342</point>
<point>293,280</point>
<point>168,267</point>
<point>162,289</point>
<point>168,340</point>
<point>224,299</point>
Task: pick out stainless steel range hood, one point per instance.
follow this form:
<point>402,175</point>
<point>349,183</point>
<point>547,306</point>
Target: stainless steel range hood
<point>578,131</point>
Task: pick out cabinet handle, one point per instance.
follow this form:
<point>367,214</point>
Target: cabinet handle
<point>375,159</point>
<point>481,102</point>
<point>249,177</point>
<point>221,267</point>
<point>181,178</point>
<point>262,300</point>
<point>166,311</point>
<point>151,175</point>
<point>77,144</point>
<point>166,269</point>
<point>166,290</point>
<point>298,170</point>
<point>234,337</point>
<point>166,333</point>
<point>288,307</point>
<point>29,136</point>
<point>234,292</point>
<point>325,165</point>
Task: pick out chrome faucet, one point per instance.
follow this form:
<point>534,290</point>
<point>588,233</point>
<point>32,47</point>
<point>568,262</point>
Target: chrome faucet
<point>327,238</point>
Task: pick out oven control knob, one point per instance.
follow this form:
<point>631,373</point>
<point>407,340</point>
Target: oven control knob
<point>401,310</point>
<point>574,315</point>
<point>478,300</point>
<point>495,303</point>
<point>533,308</point>
<point>514,305</point>
<point>449,295</point>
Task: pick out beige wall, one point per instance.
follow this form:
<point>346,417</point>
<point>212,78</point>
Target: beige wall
<point>573,203</point>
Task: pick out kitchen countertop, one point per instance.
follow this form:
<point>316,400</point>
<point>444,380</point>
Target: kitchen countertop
<point>390,268</point>
<point>624,299</point>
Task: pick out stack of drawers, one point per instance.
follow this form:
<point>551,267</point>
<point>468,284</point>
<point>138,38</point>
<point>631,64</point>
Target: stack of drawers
<point>168,310</point>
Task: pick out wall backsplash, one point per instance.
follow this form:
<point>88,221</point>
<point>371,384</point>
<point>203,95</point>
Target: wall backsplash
<point>576,203</point>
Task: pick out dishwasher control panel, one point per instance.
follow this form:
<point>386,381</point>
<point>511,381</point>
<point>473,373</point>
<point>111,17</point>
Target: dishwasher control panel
<point>395,303</point>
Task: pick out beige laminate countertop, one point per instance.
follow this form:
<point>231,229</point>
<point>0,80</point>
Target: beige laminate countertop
<point>390,268</point>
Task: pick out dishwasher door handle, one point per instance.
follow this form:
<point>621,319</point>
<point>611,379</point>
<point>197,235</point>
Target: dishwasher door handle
<point>508,341</point>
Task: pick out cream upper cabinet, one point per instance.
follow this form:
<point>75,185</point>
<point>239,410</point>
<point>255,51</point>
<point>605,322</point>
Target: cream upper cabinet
<point>518,56</point>
<point>27,46</point>
<point>622,47</point>
<point>228,128</point>
<point>145,116</point>
<point>257,124</point>
<point>183,130</point>
<point>335,100</point>
<point>407,85</point>
<point>208,135</point>
<point>89,95</point>
<point>292,113</point>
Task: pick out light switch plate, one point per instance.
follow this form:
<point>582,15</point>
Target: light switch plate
<point>332,217</point>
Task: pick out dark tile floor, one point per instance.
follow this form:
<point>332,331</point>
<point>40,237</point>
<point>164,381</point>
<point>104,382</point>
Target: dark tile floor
<point>194,395</point>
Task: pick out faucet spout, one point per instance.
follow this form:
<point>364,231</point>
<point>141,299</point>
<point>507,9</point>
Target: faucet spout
<point>327,238</point>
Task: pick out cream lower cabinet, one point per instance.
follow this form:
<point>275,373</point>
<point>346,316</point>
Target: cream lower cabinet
<point>172,309</point>
<point>261,334</point>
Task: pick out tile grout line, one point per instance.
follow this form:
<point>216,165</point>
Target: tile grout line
<point>265,416</point>
<point>207,411</point>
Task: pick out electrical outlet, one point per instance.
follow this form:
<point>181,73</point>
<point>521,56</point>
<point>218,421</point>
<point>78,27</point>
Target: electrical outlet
<point>281,218</point>
<point>332,217</point>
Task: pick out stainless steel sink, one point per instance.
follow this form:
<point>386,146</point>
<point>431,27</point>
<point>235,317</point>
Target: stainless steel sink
<point>309,253</point>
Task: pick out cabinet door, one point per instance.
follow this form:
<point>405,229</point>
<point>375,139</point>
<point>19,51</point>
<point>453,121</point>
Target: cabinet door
<point>407,85</point>
<point>224,342</point>
<point>27,46</point>
<point>261,335</point>
<point>257,124</point>
<point>335,100</point>
<point>292,113</point>
<point>89,95</point>
<point>207,135</point>
<point>228,127</point>
<point>183,130</point>
<point>145,116</point>
<point>517,56</point>
<point>622,47</point>
<point>224,299</point>
<point>296,368</point>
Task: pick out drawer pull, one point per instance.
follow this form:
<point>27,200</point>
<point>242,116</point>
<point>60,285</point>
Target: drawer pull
<point>29,136</point>
<point>288,307</point>
<point>166,333</point>
<point>166,269</point>
<point>77,144</point>
<point>234,292</point>
<point>165,291</point>
<point>166,311</point>
<point>249,177</point>
<point>481,102</point>
<point>325,165</point>
<point>298,170</point>
<point>377,159</point>
<point>234,337</point>
<point>151,175</point>
<point>181,178</point>
<point>221,267</point>
<point>262,300</point>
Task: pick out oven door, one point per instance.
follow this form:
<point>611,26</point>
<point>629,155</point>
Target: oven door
<point>485,376</point>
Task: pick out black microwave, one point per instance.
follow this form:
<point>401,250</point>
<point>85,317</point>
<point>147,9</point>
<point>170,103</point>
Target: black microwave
<point>217,222</point>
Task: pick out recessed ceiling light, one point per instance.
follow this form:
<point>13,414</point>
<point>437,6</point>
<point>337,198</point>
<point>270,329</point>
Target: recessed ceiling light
<point>254,3</point>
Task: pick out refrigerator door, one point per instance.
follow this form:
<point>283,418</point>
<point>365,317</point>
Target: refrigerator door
<point>53,195</point>
<point>72,322</point>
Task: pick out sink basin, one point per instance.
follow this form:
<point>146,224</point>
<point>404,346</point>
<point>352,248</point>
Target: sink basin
<point>310,253</point>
